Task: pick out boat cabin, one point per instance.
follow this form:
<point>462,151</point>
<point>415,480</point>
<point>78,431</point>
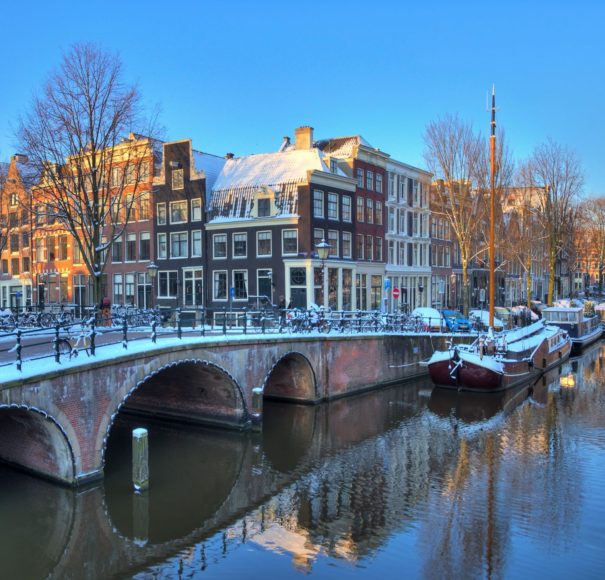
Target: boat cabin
<point>572,319</point>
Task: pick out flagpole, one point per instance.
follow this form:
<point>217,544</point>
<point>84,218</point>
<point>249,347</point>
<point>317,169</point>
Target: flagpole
<point>492,235</point>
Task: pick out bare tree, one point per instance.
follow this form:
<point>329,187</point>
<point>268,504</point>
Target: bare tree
<point>74,134</point>
<point>459,159</point>
<point>555,173</point>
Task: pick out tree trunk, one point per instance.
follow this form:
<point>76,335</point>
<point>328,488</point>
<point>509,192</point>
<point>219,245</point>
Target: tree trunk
<point>552,263</point>
<point>528,283</point>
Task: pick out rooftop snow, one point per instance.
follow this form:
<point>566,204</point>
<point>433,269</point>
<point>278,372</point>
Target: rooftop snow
<point>212,165</point>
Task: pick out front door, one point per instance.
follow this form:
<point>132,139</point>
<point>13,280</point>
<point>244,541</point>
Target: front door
<point>193,287</point>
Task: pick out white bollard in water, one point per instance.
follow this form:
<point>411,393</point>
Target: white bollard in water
<point>140,460</point>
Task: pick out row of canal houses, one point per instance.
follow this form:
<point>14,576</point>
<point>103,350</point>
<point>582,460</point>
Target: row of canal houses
<point>228,232</point>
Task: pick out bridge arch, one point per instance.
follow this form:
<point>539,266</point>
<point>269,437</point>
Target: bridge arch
<point>291,378</point>
<point>33,440</point>
<point>188,390</point>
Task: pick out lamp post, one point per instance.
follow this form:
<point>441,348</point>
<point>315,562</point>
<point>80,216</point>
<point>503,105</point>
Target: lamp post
<point>323,250</point>
<point>420,290</point>
<point>152,270</point>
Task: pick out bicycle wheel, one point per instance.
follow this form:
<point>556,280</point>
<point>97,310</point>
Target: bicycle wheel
<point>64,346</point>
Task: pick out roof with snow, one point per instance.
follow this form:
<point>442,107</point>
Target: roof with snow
<point>280,173</point>
<point>212,165</point>
<point>341,146</point>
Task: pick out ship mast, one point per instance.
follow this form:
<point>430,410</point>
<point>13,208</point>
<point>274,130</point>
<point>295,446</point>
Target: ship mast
<point>492,221</point>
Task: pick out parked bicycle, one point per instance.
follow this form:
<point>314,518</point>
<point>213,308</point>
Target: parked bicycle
<point>76,341</point>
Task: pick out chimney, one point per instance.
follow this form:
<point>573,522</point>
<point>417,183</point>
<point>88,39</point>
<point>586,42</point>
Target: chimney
<point>20,158</point>
<point>229,156</point>
<point>285,144</point>
<point>303,137</point>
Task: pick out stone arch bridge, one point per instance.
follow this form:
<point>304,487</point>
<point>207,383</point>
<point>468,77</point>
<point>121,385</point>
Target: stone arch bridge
<point>56,423</point>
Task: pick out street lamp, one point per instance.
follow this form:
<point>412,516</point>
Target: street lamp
<point>420,289</point>
<point>323,250</point>
<point>152,270</point>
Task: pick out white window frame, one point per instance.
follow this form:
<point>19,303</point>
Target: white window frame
<point>270,238</point>
<point>194,251</point>
<point>214,296</point>
<point>333,240</point>
<point>214,240</point>
<point>347,209</point>
<point>332,206</point>
<point>160,214</point>
<point>196,209</point>
<point>283,237</point>
<point>237,256</point>
<point>318,196</point>
<point>179,202</point>
<point>186,245</point>
<point>347,236</point>
<point>245,272</point>
<point>162,241</point>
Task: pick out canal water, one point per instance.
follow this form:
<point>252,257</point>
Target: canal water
<point>407,482</point>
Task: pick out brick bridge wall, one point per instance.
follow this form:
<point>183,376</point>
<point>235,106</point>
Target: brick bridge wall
<point>57,424</point>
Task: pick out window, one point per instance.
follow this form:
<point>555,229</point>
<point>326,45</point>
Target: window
<point>130,174</point>
<point>333,165</point>
<point>263,207</point>
<point>369,180</point>
<point>116,176</point>
<point>240,245</point>
<point>178,244</point>
<point>378,249</point>
<point>144,246</point>
<point>369,247</point>
<point>219,285</point>
<point>162,249</point>
<point>25,240</point>
<point>77,253</point>
<point>4,266</point>
<point>360,248</point>
<point>263,244</point>
<point>25,264</point>
<point>63,247</point>
<point>15,265</point>
<point>370,208</point>
<point>196,209</point>
<point>359,177</point>
<point>129,289</point>
<point>379,182</point>
<point>116,250</point>
<point>14,242</point>
<point>24,217</point>
<point>333,241</point>
<point>161,214</point>
<point>144,206</point>
<point>240,284</point>
<point>347,245</point>
<point>379,213</point>
<point>118,289</point>
<point>196,243</point>
<point>289,242</point>
<point>143,172</point>
<point>131,248</point>
<point>177,179</point>
<point>346,208</point>
<point>318,236</point>
<point>332,206</point>
<point>130,209</point>
<point>12,199</point>
<point>168,282</point>
<point>219,246</point>
<point>13,219</point>
<point>360,209</point>
<point>318,203</point>
<point>178,212</point>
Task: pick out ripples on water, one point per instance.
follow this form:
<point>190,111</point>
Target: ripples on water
<point>406,482</point>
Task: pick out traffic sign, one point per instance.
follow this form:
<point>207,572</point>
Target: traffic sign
<point>395,292</point>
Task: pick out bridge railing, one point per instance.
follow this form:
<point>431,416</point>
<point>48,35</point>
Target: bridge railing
<point>68,337</point>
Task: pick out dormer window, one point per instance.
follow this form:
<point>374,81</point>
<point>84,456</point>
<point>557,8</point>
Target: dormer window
<point>264,203</point>
<point>333,165</point>
<point>264,207</point>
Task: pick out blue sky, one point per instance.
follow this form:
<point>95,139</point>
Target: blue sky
<point>237,76</point>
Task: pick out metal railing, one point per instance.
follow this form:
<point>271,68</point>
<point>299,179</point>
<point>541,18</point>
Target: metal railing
<point>64,336</point>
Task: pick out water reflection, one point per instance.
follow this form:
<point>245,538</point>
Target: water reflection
<point>408,481</point>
